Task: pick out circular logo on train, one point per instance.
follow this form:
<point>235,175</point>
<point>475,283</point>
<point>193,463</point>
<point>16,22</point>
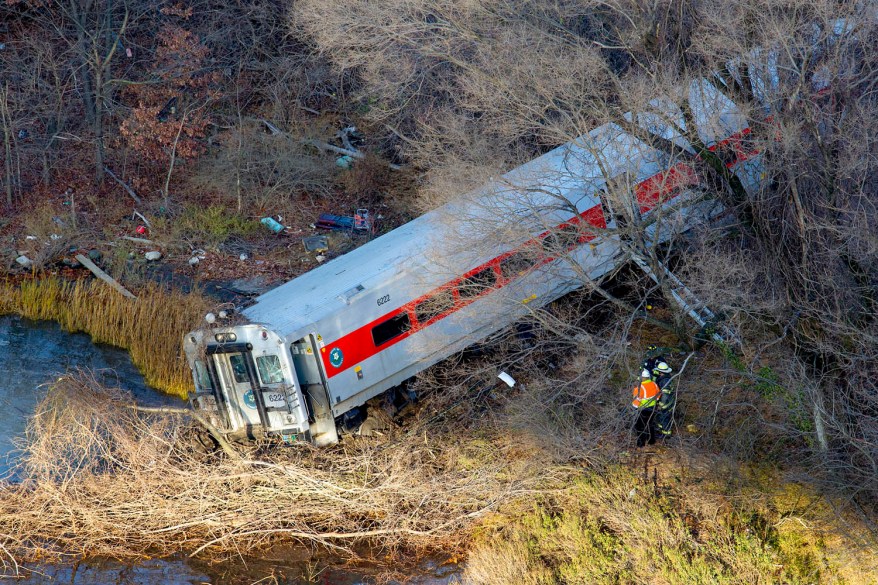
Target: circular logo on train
<point>336,357</point>
<point>249,399</point>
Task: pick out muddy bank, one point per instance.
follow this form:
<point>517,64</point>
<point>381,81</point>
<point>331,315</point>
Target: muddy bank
<point>278,566</point>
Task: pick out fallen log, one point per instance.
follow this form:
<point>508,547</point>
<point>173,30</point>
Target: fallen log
<point>124,185</point>
<point>137,240</point>
<point>104,276</point>
<point>351,152</point>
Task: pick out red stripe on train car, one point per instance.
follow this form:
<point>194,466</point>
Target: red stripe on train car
<point>359,345</point>
<point>664,186</point>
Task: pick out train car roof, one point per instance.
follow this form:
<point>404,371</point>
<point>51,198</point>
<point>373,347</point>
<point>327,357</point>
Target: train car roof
<point>462,234</point>
<point>443,238</point>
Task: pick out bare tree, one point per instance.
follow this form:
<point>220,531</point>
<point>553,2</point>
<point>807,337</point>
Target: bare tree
<point>482,86</point>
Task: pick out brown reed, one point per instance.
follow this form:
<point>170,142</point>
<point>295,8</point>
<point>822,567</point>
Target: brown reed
<point>150,328</point>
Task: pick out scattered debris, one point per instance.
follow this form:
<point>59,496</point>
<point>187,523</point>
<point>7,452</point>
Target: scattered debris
<point>136,213</point>
<point>360,222</point>
<point>141,230</point>
<point>30,237</point>
<point>320,258</point>
<point>137,240</point>
<point>94,255</point>
<point>342,151</point>
<point>271,128</point>
<point>153,255</point>
<point>124,185</point>
<point>272,224</point>
<point>316,243</point>
<point>344,162</point>
<point>249,286</point>
<point>193,261</point>
<point>168,110</point>
<point>24,261</point>
<point>104,276</point>
<point>507,379</point>
<point>351,138</point>
<point>243,256</point>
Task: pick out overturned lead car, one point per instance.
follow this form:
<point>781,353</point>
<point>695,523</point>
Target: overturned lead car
<point>324,343</point>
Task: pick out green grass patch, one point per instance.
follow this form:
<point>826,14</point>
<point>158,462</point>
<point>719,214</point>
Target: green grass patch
<point>213,225</point>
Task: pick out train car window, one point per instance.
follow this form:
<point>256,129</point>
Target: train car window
<point>434,305</point>
<point>609,212</point>
<point>550,244</point>
<point>557,242</point>
<point>748,145</point>
<point>391,329</point>
<point>202,376</point>
<point>476,284</point>
<point>515,265</point>
<point>238,368</point>
<point>269,369</point>
<point>727,153</point>
<point>569,235</point>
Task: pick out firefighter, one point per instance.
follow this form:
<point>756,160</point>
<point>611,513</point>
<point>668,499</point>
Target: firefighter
<point>661,373</point>
<point>664,413</point>
<point>646,396</point>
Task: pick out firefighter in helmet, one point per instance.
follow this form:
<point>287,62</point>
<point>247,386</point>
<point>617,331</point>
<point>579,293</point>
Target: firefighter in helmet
<point>645,400</point>
<point>664,412</point>
<point>654,398</point>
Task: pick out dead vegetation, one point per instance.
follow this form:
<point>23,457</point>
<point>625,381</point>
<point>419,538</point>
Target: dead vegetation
<point>100,479</point>
<point>97,477</point>
<point>150,328</point>
<point>669,524</point>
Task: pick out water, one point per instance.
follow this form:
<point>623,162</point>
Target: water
<point>35,353</point>
<point>184,571</point>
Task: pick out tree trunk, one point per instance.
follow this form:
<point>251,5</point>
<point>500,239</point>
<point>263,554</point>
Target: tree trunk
<point>99,128</point>
<point>7,142</point>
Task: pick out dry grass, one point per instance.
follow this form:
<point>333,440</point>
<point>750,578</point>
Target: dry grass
<point>99,479</point>
<point>150,328</point>
<point>617,526</point>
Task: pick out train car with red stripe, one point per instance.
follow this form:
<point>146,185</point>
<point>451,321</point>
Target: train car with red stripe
<point>324,343</point>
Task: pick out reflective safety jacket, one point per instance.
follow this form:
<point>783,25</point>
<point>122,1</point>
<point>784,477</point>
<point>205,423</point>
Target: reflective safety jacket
<point>646,394</point>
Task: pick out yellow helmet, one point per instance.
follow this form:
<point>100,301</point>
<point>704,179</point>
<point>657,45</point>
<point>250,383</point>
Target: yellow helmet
<point>663,368</point>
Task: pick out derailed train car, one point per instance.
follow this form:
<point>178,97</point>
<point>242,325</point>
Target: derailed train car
<point>324,343</point>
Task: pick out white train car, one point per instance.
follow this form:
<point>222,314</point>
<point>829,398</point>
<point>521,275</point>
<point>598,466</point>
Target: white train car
<point>326,342</point>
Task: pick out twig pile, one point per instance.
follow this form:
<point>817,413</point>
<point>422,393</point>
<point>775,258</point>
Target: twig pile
<point>100,478</point>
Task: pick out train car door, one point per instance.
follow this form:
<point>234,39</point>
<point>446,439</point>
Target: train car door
<point>312,379</point>
<point>239,373</point>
